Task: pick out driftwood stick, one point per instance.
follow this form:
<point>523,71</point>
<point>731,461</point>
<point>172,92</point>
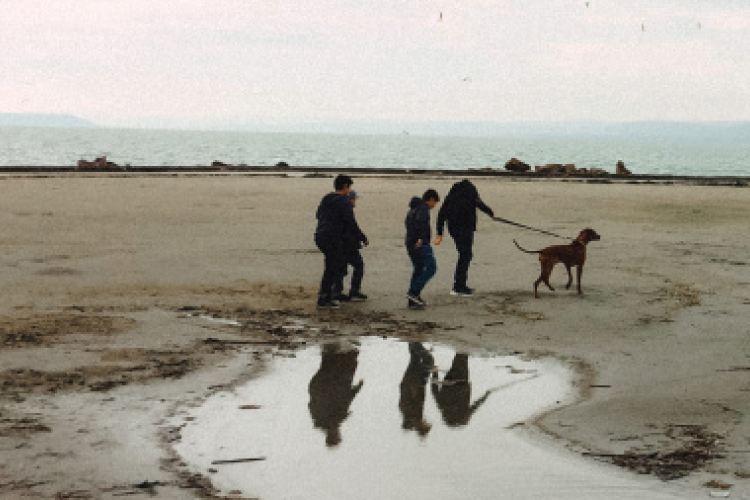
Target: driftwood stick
<point>212,340</point>
<point>237,460</point>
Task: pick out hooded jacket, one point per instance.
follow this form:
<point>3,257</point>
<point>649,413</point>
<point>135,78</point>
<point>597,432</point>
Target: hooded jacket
<point>459,209</point>
<point>417,223</point>
<point>335,216</point>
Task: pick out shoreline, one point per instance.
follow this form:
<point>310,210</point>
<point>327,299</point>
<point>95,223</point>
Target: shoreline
<point>493,173</point>
<point>101,272</point>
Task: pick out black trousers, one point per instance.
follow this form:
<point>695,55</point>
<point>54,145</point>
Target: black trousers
<point>464,241</point>
<point>334,267</point>
<point>354,259</point>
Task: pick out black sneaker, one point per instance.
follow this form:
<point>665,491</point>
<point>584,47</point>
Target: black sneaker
<point>328,304</point>
<point>340,297</point>
<point>463,292</point>
<point>357,296</point>
<point>415,306</point>
<point>413,297</point>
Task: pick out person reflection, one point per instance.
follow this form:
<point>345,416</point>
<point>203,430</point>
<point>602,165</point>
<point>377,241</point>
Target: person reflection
<point>453,395</point>
<point>331,390</point>
<point>413,389</point>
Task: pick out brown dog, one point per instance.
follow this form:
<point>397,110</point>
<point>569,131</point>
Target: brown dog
<point>573,254</point>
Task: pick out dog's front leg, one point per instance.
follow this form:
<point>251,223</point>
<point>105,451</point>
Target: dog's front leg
<point>578,275</point>
<point>570,277</point>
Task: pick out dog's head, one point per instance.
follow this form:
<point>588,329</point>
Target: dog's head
<point>587,235</point>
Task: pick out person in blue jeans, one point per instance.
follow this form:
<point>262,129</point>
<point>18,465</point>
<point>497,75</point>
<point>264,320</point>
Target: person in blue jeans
<point>418,234</point>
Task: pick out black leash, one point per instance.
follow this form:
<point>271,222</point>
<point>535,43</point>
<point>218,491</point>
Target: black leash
<point>506,221</point>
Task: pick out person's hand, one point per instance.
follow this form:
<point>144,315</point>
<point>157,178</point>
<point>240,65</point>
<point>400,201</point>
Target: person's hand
<point>418,245</point>
<point>438,240</point>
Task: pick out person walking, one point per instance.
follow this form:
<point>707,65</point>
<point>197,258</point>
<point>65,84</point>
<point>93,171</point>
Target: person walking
<point>418,234</point>
<point>459,210</point>
<point>335,220</point>
<point>353,242</point>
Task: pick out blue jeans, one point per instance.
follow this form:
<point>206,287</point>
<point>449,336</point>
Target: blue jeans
<point>425,267</point>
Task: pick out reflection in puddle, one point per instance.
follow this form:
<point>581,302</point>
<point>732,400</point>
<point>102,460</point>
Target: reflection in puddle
<point>331,390</point>
<point>388,419</point>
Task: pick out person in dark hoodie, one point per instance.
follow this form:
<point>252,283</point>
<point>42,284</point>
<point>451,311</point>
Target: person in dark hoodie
<point>352,244</point>
<point>418,234</point>
<point>335,221</point>
<point>460,212</point>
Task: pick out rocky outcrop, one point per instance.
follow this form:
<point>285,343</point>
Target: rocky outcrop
<point>217,163</point>
<point>551,169</point>
<point>568,169</point>
<point>620,169</point>
<point>99,163</point>
<point>516,165</point>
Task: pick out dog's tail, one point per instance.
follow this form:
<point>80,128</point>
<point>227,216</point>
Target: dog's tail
<point>524,250</point>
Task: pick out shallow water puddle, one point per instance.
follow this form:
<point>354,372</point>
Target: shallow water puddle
<point>389,419</point>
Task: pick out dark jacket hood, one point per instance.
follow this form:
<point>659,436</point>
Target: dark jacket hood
<point>415,202</point>
<point>464,188</point>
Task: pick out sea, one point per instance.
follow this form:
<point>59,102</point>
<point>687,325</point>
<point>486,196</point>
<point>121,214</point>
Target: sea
<point>54,147</point>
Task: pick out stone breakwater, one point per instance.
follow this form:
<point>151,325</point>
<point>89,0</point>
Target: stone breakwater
<point>563,172</point>
<point>516,165</point>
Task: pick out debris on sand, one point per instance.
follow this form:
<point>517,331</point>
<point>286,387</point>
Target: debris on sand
<point>700,446</point>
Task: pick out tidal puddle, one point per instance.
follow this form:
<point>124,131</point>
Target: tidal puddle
<point>384,419</point>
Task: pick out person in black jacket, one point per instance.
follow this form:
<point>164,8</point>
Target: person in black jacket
<point>418,234</point>
<point>332,390</point>
<point>335,220</point>
<point>460,212</point>
<point>353,242</point>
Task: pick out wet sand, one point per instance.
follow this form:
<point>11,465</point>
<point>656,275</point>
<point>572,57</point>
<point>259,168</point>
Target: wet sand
<point>103,276</point>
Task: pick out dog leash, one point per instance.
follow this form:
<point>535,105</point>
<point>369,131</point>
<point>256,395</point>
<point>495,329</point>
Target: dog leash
<point>506,221</point>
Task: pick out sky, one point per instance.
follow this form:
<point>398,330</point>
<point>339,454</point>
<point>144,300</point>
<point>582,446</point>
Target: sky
<point>229,63</point>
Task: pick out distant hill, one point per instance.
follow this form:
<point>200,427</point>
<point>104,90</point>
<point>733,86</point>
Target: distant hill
<point>42,120</point>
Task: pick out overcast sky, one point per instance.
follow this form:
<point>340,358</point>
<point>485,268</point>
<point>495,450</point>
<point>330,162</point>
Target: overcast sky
<point>178,62</point>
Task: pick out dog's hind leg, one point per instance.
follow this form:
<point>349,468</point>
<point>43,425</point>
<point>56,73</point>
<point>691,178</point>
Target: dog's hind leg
<point>544,277</point>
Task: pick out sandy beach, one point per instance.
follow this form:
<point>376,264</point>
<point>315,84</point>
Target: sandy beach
<point>104,276</point>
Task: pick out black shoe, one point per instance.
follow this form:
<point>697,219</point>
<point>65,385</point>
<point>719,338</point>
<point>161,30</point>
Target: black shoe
<point>357,296</point>
<point>413,297</point>
<point>463,292</point>
<point>415,306</point>
<point>328,304</point>
<point>340,297</point>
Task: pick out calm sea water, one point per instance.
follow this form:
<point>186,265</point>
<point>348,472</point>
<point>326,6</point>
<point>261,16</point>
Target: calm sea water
<point>64,147</point>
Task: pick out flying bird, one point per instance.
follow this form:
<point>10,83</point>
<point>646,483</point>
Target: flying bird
<point>441,17</point>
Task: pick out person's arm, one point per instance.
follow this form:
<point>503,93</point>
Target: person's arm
<point>361,237</point>
<point>350,223</point>
<point>422,218</point>
<point>442,217</point>
<point>484,208</point>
